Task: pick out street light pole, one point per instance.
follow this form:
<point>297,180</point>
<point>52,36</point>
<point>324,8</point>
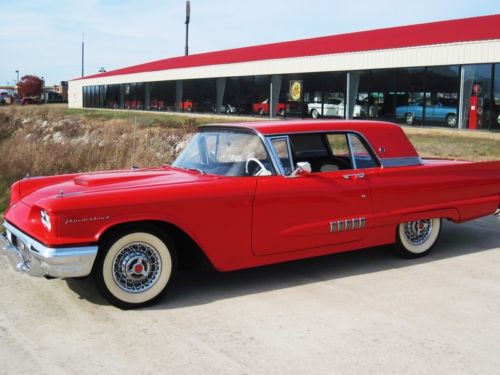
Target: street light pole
<point>17,72</point>
<point>83,53</point>
<point>188,16</point>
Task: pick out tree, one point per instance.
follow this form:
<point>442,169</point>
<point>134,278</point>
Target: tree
<point>29,86</point>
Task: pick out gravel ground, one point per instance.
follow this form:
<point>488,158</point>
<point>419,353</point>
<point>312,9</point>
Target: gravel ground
<point>366,312</point>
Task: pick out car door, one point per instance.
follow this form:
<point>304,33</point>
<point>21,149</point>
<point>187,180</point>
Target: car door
<point>431,110</point>
<point>312,210</point>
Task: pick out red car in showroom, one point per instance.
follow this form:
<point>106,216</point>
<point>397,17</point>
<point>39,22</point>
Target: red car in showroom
<point>243,195</point>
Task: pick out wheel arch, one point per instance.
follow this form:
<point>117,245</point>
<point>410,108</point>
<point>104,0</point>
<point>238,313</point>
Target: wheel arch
<point>448,213</point>
<point>187,249</point>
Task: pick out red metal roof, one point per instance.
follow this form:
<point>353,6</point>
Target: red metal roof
<point>453,31</point>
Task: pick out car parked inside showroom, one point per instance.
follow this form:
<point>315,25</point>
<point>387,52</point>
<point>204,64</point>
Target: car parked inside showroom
<point>331,107</point>
<point>243,195</point>
<point>435,111</point>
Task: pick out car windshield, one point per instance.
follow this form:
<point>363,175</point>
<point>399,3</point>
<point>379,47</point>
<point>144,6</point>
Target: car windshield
<point>225,153</point>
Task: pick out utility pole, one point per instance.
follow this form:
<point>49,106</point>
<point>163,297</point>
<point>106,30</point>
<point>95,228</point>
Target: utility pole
<point>17,72</point>
<point>83,53</point>
<point>188,16</point>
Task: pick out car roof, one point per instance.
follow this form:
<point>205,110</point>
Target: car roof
<point>387,139</point>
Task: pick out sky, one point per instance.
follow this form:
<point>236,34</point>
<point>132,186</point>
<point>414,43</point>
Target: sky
<point>44,38</point>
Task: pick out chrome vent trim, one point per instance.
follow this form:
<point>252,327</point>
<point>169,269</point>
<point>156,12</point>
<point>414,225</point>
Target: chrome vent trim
<point>347,224</point>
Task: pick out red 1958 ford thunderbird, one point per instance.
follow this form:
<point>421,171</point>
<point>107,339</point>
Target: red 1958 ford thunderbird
<point>243,195</point>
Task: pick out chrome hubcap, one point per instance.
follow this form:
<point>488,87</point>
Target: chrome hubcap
<point>417,232</point>
<point>136,267</point>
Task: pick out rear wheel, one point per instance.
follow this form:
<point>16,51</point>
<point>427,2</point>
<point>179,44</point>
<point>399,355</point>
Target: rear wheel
<point>135,268</point>
<point>409,118</point>
<point>416,238</point>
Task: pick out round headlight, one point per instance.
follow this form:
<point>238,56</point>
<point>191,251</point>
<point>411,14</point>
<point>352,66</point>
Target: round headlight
<point>45,218</point>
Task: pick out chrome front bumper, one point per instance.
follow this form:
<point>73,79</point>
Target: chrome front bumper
<point>29,256</point>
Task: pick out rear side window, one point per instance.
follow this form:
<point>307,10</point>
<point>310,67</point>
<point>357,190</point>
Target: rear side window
<point>360,155</point>
<point>351,148</point>
<point>339,144</point>
<point>308,145</point>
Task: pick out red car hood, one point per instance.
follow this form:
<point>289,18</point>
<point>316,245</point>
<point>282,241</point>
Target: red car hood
<point>106,181</point>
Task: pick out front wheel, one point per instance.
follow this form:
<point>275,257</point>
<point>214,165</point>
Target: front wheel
<point>416,238</point>
<point>134,268</point>
<point>451,120</point>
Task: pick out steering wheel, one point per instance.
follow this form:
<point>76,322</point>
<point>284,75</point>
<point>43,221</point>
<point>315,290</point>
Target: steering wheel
<point>262,171</point>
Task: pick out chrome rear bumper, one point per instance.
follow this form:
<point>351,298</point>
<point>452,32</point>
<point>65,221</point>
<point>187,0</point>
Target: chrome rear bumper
<point>29,256</point>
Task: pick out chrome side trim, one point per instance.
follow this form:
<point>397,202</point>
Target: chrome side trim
<point>29,256</point>
<point>401,162</point>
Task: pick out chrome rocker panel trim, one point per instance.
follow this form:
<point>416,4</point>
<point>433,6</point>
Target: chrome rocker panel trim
<point>41,260</point>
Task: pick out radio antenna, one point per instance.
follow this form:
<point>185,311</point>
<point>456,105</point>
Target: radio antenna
<point>133,144</point>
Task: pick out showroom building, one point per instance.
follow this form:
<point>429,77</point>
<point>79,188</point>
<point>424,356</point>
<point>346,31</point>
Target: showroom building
<point>440,74</point>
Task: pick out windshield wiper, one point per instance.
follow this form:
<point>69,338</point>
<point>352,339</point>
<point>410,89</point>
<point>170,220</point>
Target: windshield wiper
<point>196,170</point>
<point>200,171</point>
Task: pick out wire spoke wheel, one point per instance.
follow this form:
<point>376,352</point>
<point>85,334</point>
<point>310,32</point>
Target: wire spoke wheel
<point>135,268</point>
<point>416,238</point>
<point>417,232</point>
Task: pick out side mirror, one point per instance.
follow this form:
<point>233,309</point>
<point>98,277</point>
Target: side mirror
<point>303,167</point>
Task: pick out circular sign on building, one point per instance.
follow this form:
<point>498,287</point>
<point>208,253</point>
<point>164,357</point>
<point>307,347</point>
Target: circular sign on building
<point>295,90</point>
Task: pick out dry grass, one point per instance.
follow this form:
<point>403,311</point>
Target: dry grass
<point>46,140</point>
<point>453,144</point>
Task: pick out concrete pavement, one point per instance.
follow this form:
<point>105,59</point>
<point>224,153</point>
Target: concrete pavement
<point>365,312</point>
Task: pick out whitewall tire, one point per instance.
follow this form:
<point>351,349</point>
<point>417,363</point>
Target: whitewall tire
<point>135,268</point>
<point>416,238</point>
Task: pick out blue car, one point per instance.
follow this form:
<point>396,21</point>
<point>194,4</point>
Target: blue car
<point>434,111</point>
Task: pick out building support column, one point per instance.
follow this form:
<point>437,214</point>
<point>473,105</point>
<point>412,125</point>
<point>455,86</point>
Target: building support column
<point>274,94</point>
<point>121,105</point>
<point>467,75</point>
<point>147,96</point>
<point>220,87</point>
<point>351,93</point>
<point>178,95</point>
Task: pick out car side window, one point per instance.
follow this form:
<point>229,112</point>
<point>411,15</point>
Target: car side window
<point>359,153</point>
<point>282,151</point>
<point>341,155</point>
<point>348,152</point>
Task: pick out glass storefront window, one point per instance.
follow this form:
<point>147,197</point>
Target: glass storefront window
<point>441,96</point>
<point>478,110</point>
<point>112,96</point>
<point>376,98</point>
<point>199,96</point>
<point>408,96</point>
<point>238,95</point>
<point>162,96</point>
<point>495,117</point>
<point>323,95</point>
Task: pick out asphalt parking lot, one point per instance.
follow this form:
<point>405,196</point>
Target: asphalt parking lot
<point>359,312</point>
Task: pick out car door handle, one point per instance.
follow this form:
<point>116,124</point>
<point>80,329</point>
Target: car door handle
<point>354,176</point>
